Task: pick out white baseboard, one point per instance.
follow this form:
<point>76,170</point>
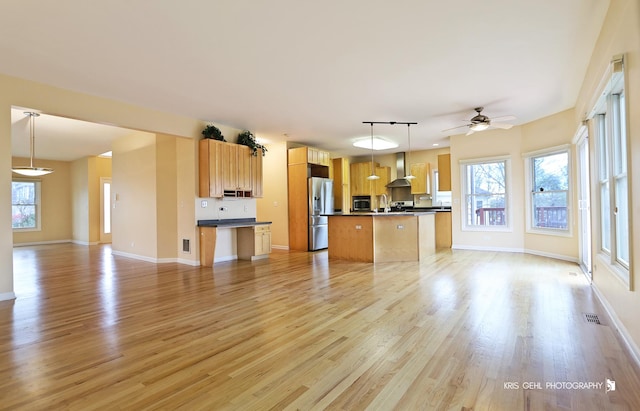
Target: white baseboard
<point>634,350</point>
<point>225,258</point>
<point>188,262</point>
<point>482,248</point>
<point>516,250</point>
<point>85,242</point>
<point>551,255</point>
<point>41,243</point>
<point>7,296</point>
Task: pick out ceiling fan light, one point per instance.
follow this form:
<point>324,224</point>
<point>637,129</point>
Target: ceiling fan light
<point>479,126</point>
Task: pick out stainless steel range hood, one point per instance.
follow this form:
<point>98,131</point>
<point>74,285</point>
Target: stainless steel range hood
<point>401,173</point>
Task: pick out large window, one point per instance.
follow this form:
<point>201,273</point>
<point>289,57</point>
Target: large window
<point>486,205</point>
<point>548,185</point>
<point>610,128</point>
<point>25,201</point>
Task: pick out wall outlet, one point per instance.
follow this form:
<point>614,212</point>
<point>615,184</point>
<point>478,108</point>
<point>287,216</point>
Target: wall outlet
<point>204,203</point>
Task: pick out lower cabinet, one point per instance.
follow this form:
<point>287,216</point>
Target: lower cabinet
<point>443,230</point>
<point>254,242</point>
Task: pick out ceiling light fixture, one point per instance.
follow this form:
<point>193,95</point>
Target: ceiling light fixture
<point>410,176</point>
<point>31,171</point>
<point>479,126</point>
<point>373,175</point>
<point>378,143</point>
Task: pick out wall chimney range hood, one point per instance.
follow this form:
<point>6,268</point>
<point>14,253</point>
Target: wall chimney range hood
<point>401,173</point>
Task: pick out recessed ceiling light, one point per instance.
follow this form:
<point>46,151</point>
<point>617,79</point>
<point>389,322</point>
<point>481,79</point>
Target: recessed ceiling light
<point>107,154</point>
<point>436,144</point>
<point>378,143</point>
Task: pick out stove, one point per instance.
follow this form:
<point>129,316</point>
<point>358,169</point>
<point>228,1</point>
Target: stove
<point>401,205</point>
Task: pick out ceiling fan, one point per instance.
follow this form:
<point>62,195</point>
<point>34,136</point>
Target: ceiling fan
<point>481,122</point>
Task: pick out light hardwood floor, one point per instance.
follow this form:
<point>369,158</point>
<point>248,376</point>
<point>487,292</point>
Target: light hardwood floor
<point>463,330</point>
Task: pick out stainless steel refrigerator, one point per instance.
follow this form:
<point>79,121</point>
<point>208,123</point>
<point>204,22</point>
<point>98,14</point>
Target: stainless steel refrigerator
<point>320,202</point>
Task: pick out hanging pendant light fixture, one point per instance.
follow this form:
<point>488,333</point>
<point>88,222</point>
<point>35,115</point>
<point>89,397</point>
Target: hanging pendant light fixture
<point>410,176</point>
<point>373,175</point>
<point>31,171</point>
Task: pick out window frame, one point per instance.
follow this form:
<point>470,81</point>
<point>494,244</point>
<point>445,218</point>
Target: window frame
<point>610,115</point>
<point>508,227</point>
<point>529,191</point>
<point>38,204</point>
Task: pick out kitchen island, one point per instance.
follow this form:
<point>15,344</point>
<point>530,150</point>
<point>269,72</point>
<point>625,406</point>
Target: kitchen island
<point>382,237</point>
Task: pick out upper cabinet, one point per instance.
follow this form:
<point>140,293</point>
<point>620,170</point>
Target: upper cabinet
<point>228,170</point>
<point>421,184</point>
<point>380,185</point>
<point>444,172</point>
<point>341,184</point>
<point>309,155</point>
<point>360,186</point>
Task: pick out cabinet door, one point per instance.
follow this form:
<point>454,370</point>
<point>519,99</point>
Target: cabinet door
<point>444,172</point>
<point>422,183</point>
<point>244,167</point>
<point>360,186</point>
<point>312,156</point>
<point>256,175</point>
<point>210,168</point>
<point>230,166</point>
<point>381,184</point>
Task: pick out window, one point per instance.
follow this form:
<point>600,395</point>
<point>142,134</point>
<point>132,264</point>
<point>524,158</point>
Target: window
<point>25,205</point>
<point>485,194</point>
<point>548,188</point>
<point>609,117</point>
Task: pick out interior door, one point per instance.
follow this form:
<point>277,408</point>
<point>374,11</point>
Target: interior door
<point>584,205</point>
<point>106,205</point>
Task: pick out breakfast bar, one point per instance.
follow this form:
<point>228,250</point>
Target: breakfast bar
<point>382,237</point>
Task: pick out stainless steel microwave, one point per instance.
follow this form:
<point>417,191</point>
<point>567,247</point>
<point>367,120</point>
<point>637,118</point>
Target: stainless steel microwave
<point>361,203</point>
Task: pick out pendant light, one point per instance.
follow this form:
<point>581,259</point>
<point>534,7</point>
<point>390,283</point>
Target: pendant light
<point>373,175</point>
<point>31,171</point>
<point>409,177</point>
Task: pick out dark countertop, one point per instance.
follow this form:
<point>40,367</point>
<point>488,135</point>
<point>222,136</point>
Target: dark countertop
<point>437,209</point>
<point>408,213</point>
<point>231,222</point>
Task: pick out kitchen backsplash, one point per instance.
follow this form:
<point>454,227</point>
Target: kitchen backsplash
<point>224,209</point>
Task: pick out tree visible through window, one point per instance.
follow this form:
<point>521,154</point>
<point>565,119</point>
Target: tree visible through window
<point>550,191</point>
<point>486,194</point>
<point>24,212</point>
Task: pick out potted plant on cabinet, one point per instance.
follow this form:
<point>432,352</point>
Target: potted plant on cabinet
<point>213,132</point>
<point>248,139</point>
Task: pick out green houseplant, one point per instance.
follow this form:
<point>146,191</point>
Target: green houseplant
<point>213,132</point>
<point>248,139</point>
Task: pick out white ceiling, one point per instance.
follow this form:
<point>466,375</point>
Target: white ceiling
<point>309,72</point>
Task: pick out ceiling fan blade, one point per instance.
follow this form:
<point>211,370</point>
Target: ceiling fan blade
<point>469,132</point>
<point>504,118</point>
<point>503,126</point>
<point>453,128</point>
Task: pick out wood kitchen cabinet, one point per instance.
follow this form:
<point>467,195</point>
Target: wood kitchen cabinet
<point>309,155</point>
<point>236,170</point>
<point>254,242</point>
<point>256,175</point>
<point>210,168</point>
<point>443,229</point>
<point>341,184</point>
<point>360,186</point>
<point>227,169</point>
<point>421,184</point>
<point>380,185</point>
<point>444,172</point>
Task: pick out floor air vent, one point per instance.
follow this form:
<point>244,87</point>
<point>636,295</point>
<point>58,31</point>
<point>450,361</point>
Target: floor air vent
<point>592,318</point>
